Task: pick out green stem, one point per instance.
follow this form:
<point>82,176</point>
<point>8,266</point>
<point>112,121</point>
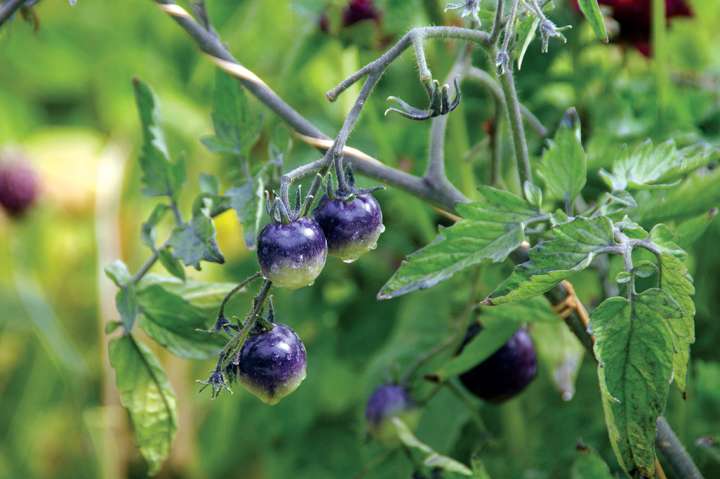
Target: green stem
<point>659,50</point>
<point>512,106</point>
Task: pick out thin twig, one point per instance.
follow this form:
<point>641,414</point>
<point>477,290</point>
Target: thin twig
<point>8,8</point>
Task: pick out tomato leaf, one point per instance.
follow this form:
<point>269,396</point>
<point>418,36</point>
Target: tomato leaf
<point>656,166</point>
<point>236,128</point>
<point>634,348</point>
<point>178,325</point>
<point>161,177</point>
<point>490,230</point>
<point>572,249</point>
<point>246,199</point>
<point>196,241</point>
<point>564,163</point>
<point>147,395</point>
<point>591,10</point>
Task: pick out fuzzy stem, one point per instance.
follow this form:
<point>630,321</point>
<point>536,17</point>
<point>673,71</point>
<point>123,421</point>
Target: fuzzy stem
<point>8,8</point>
<point>512,107</point>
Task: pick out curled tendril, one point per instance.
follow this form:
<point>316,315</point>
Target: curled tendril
<point>440,103</point>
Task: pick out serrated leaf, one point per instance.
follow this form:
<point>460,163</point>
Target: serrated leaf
<point>118,273</point>
<point>127,305</point>
<point>246,200</point>
<point>148,228</point>
<point>572,249</point>
<point>589,465</point>
<point>564,163</point>
<point>498,325</point>
<point>160,176</point>
<point>171,263</point>
<point>634,348</point>
<point>236,129</point>
<point>196,241</point>
<point>432,459</point>
<point>677,283</point>
<point>178,325</point>
<point>591,10</point>
<point>490,230</point>
<point>656,166</point>
<point>696,195</point>
<point>147,395</point>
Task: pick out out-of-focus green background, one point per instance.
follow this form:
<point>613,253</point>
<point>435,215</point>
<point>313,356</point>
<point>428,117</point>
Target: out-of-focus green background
<point>66,100</point>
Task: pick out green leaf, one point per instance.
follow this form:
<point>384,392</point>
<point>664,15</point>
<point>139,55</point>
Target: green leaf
<point>572,249</point>
<point>561,353</point>
<point>533,193</point>
<point>478,468</point>
<point>160,176</point>
<point>236,129</point>
<point>589,465</point>
<point>695,196</point>
<point>431,458</point>
<point>196,241</point>
<point>117,271</point>
<point>677,283</point>
<point>527,31</point>
<point>564,163</point>
<point>209,184</point>
<point>593,14</point>
<point>688,232</point>
<point>178,325</point>
<point>127,305</point>
<point>171,263</point>
<point>656,166</point>
<point>148,228</point>
<point>202,295</point>
<point>246,200</point>
<point>634,348</point>
<point>498,324</point>
<point>147,395</point>
<point>490,230</point>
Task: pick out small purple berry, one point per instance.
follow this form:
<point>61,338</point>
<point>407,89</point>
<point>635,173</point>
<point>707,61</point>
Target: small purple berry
<point>352,227</point>
<point>386,402</point>
<point>18,187</point>
<point>271,364</point>
<point>292,255</point>
<point>506,372</point>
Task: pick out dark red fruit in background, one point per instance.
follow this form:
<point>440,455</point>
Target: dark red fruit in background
<point>634,18</point>
<point>18,186</point>
<point>359,10</point>
<point>504,374</point>
<point>354,12</point>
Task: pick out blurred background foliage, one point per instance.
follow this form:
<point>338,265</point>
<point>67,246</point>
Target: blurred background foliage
<point>66,101</point>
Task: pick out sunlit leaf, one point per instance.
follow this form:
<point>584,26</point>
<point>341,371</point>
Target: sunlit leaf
<point>147,395</point>
<point>593,14</point>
